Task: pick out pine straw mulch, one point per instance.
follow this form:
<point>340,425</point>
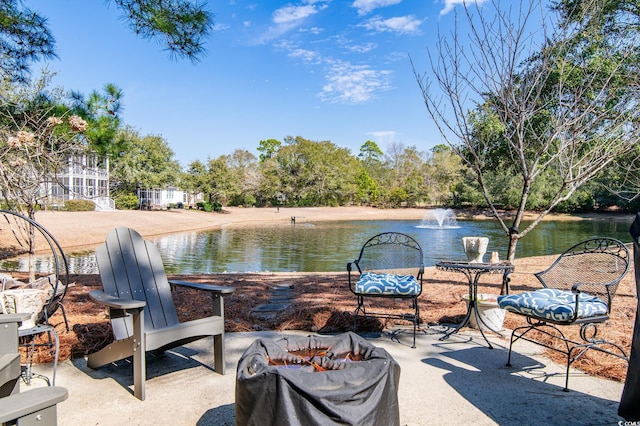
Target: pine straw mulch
<point>322,302</point>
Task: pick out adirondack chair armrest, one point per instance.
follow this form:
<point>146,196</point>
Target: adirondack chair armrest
<point>20,405</point>
<point>217,289</point>
<point>9,318</point>
<point>115,302</point>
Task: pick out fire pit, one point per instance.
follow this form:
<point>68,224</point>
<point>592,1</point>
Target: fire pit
<point>317,380</point>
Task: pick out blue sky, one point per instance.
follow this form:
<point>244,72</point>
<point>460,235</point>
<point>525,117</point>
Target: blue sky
<point>332,70</point>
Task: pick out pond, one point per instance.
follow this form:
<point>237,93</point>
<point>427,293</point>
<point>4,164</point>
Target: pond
<point>328,246</point>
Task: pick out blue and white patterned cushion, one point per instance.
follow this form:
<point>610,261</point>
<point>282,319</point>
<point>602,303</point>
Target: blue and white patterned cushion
<point>387,284</point>
<point>553,304</point>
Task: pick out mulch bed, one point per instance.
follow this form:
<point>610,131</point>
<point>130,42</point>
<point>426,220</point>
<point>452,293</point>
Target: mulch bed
<point>322,303</point>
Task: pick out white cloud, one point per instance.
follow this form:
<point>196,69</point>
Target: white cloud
<point>383,136</point>
<point>289,14</point>
<point>366,6</point>
<point>221,27</point>
<point>400,24</point>
<point>351,46</point>
<point>354,84</point>
<point>311,30</point>
<point>289,18</point>
<point>450,4</point>
<point>305,55</point>
<point>361,48</point>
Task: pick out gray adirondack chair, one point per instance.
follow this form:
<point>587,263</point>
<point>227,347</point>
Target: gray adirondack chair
<point>143,316</point>
<point>27,408</point>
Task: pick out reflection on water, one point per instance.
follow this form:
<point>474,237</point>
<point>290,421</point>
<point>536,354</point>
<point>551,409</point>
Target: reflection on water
<point>328,246</point>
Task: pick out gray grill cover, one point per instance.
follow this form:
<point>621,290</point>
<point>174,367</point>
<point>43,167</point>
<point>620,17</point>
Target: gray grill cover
<point>348,393</point>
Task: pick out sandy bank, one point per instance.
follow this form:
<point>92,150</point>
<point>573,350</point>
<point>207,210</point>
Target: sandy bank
<point>88,229</point>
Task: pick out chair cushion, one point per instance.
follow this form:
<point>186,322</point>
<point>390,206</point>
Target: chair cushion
<point>553,304</point>
<point>387,285</point>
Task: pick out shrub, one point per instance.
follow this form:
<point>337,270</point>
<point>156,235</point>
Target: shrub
<point>127,202</point>
<point>79,206</point>
<point>201,205</point>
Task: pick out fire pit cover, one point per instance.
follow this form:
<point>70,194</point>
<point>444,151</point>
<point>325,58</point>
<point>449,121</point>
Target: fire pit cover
<point>317,380</point>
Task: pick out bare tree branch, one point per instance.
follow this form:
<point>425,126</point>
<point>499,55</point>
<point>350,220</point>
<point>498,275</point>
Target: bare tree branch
<point>560,109</point>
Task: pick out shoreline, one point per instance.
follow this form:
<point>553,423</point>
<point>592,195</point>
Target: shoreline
<point>319,299</point>
<point>87,230</point>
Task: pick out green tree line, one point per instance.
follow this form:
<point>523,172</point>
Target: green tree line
<point>303,173</point>
<point>292,172</point>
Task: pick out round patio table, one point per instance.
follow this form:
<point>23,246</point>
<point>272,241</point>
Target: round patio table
<point>473,271</point>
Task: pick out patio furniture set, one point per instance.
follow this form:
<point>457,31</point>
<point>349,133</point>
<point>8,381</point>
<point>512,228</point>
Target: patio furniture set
<point>578,289</point>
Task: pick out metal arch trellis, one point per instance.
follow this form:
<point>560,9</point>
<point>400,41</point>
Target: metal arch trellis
<point>61,266</point>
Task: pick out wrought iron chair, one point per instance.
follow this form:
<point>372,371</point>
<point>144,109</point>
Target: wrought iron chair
<point>579,288</point>
<point>390,265</point>
<point>22,235</point>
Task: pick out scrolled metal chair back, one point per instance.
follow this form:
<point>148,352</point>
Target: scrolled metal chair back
<point>26,235</point>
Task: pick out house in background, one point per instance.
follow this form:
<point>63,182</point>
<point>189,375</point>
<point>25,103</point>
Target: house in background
<point>86,177</point>
<point>161,199</point>
<point>171,197</point>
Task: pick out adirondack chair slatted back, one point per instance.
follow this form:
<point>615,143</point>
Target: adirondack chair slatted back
<point>391,252</point>
<point>132,268</point>
<point>598,264</point>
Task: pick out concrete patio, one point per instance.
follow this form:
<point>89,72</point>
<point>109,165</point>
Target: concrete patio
<point>452,382</point>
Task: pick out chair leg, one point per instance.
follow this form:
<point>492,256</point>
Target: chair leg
<point>139,351</point>
<point>515,337</point>
<point>27,374</point>
<point>571,347</point>
<point>569,361</point>
<point>415,327</point>
<point>511,347</point>
<point>28,340</point>
<point>218,354</point>
<point>56,341</point>
<point>64,316</point>
<point>416,320</point>
<point>359,308</point>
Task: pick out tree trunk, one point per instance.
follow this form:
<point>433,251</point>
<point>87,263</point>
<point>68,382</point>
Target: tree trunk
<point>513,242</point>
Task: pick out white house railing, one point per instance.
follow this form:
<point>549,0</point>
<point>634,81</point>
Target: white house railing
<point>104,203</point>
